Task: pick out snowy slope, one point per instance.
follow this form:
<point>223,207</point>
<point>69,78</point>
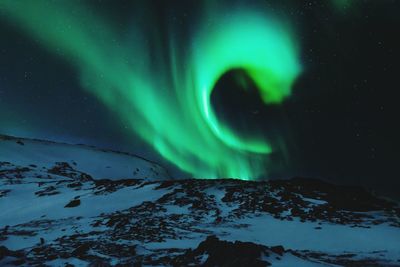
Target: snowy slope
<point>99,164</point>
<point>63,216</point>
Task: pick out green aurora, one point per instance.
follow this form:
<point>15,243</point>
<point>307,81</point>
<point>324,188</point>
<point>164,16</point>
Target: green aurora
<point>164,92</point>
<point>342,5</point>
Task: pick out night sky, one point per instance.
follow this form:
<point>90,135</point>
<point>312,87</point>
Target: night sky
<point>340,122</point>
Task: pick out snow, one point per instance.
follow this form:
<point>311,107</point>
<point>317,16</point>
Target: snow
<point>290,260</point>
<point>46,216</point>
<point>63,262</point>
<point>22,205</point>
<point>332,238</point>
<point>100,164</point>
<point>315,201</point>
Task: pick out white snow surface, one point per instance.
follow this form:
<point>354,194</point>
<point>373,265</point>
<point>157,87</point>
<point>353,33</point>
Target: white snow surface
<point>98,163</point>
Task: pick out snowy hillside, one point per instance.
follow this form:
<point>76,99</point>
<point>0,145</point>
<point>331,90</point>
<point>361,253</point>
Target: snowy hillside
<point>39,155</point>
<point>58,215</point>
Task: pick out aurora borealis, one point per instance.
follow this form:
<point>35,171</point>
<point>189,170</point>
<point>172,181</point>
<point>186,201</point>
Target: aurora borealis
<point>198,87</point>
<point>167,102</point>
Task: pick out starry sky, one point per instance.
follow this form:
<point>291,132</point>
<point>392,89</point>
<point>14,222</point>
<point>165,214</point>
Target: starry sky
<point>340,122</point>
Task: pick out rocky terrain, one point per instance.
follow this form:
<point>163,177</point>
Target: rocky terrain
<point>58,211</point>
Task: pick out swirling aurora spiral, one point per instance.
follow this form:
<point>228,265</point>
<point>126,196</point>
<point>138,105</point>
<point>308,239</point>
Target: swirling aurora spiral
<point>163,92</point>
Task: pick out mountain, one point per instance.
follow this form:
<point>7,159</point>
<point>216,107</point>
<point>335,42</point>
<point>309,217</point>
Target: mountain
<point>66,205</point>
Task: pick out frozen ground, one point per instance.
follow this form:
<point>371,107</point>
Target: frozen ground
<point>97,163</point>
<point>58,208</point>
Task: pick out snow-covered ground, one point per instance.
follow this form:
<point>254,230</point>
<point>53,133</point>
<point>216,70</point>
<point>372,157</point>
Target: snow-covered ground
<point>55,210</point>
<point>98,163</point>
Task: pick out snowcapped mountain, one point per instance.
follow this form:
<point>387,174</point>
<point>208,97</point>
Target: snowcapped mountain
<point>65,205</point>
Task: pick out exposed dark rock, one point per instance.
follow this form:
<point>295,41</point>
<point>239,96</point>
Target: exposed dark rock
<point>48,191</point>
<point>81,250</point>
<point>224,253</point>
<point>351,198</point>
<point>64,169</point>
<point>4,252</point>
<point>278,250</point>
<point>73,203</point>
<point>19,142</point>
